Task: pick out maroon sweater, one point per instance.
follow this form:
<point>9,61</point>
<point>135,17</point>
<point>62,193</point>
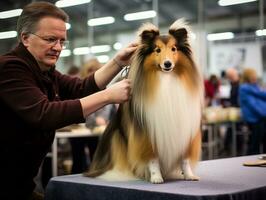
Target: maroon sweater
<point>32,105</point>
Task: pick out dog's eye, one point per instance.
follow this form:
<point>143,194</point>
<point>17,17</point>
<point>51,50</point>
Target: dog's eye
<point>174,48</point>
<point>158,50</point>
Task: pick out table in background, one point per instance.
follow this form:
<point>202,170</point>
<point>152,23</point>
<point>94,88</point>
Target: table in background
<point>213,138</point>
<point>221,179</point>
<point>66,134</point>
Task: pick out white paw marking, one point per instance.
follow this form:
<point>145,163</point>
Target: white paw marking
<point>156,178</point>
<point>155,172</point>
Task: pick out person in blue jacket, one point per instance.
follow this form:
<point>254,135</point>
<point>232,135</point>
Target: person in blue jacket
<point>253,107</point>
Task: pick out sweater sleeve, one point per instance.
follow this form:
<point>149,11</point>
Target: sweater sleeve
<point>24,96</point>
<point>73,87</point>
<point>259,93</point>
<point>250,102</point>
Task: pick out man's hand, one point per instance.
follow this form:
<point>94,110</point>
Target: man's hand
<point>122,58</point>
<point>119,92</point>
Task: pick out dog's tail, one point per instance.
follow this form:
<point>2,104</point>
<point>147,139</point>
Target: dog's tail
<point>102,160</point>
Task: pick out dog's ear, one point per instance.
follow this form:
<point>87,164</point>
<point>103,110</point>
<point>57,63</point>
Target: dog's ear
<point>179,34</point>
<point>147,33</point>
<point>179,30</point>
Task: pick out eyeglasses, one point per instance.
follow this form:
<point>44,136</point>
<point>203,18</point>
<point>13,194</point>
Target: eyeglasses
<point>53,41</point>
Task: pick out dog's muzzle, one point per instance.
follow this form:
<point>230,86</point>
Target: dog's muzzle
<point>167,66</point>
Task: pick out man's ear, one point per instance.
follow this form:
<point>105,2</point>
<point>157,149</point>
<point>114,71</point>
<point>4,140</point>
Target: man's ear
<point>24,39</point>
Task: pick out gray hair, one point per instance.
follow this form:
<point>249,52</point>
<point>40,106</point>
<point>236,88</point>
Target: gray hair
<point>33,13</point>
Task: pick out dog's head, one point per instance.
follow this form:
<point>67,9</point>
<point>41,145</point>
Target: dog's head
<point>162,55</point>
<point>161,60</point>
<point>164,52</point>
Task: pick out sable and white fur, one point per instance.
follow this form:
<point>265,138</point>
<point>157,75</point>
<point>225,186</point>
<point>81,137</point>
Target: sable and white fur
<point>156,135</point>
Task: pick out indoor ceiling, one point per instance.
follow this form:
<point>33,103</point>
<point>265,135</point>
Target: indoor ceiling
<point>169,11</point>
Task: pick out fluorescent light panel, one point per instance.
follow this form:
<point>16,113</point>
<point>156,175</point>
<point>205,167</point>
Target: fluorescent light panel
<point>68,26</point>
<point>68,3</point>
<point>101,21</point>
<point>140,15</point>
<point>8,34</point>
<point>65,53</point>
<point>220,36</point>
<point>261,32</point>
<point>100,48</point>
<point>81,51</point>
<point>103,58</point>
<point>117,46</point>
<point>233,2</point>
<point>10,13</point>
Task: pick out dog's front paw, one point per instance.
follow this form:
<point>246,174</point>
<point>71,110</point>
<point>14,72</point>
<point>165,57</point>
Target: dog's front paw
<point>156,178</point>
<point>191,177</point>
<point>155,172</point>
<point>188,174</point>
<point>176,175</point>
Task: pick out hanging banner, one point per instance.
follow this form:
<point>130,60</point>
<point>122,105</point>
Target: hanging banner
<point>237,55</point>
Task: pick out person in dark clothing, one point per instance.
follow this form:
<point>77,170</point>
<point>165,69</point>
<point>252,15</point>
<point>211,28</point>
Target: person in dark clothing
<point>233,76</point>
<point>211,86</point>
<point>36,99</point>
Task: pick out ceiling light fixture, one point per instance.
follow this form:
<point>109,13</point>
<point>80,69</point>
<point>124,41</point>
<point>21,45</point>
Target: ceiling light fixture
<point>261,32</point>
<point>81,51</point>
<point>68,3</point>
<point>10,13</point>
<point>220,36</point>
<point>100,48</point>
<point>101,21</point>
<point>233,2</point>
<point>103,58</point>
<point>68,26</point>
<point>117,46</point>
<point>65,53</point>
<point>140,15</point>
<point>8,34</point>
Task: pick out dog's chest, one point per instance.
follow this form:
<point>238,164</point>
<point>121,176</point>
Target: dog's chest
<point>173,118</point>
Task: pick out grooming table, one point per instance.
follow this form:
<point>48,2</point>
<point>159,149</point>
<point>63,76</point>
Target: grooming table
<point>221,179</point>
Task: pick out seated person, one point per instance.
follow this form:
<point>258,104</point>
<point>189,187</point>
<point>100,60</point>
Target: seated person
<point>253,106</point>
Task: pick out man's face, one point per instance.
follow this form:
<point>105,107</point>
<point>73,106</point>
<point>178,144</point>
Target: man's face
<point>46,43</point>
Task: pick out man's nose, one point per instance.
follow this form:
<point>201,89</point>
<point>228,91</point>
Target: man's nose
<point>58,46</point>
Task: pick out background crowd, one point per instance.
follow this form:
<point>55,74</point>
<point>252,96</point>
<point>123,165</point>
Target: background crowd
<point>241,90</point>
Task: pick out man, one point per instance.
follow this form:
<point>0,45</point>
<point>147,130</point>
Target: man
<point>233,76</point>
<point>36,99</point>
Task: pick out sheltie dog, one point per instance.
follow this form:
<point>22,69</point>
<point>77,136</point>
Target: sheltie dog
<point>156,134</point>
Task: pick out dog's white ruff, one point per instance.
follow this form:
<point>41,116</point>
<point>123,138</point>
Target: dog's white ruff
<point>173,119</point>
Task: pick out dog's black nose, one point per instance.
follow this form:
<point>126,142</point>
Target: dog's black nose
<point>167,64</point>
